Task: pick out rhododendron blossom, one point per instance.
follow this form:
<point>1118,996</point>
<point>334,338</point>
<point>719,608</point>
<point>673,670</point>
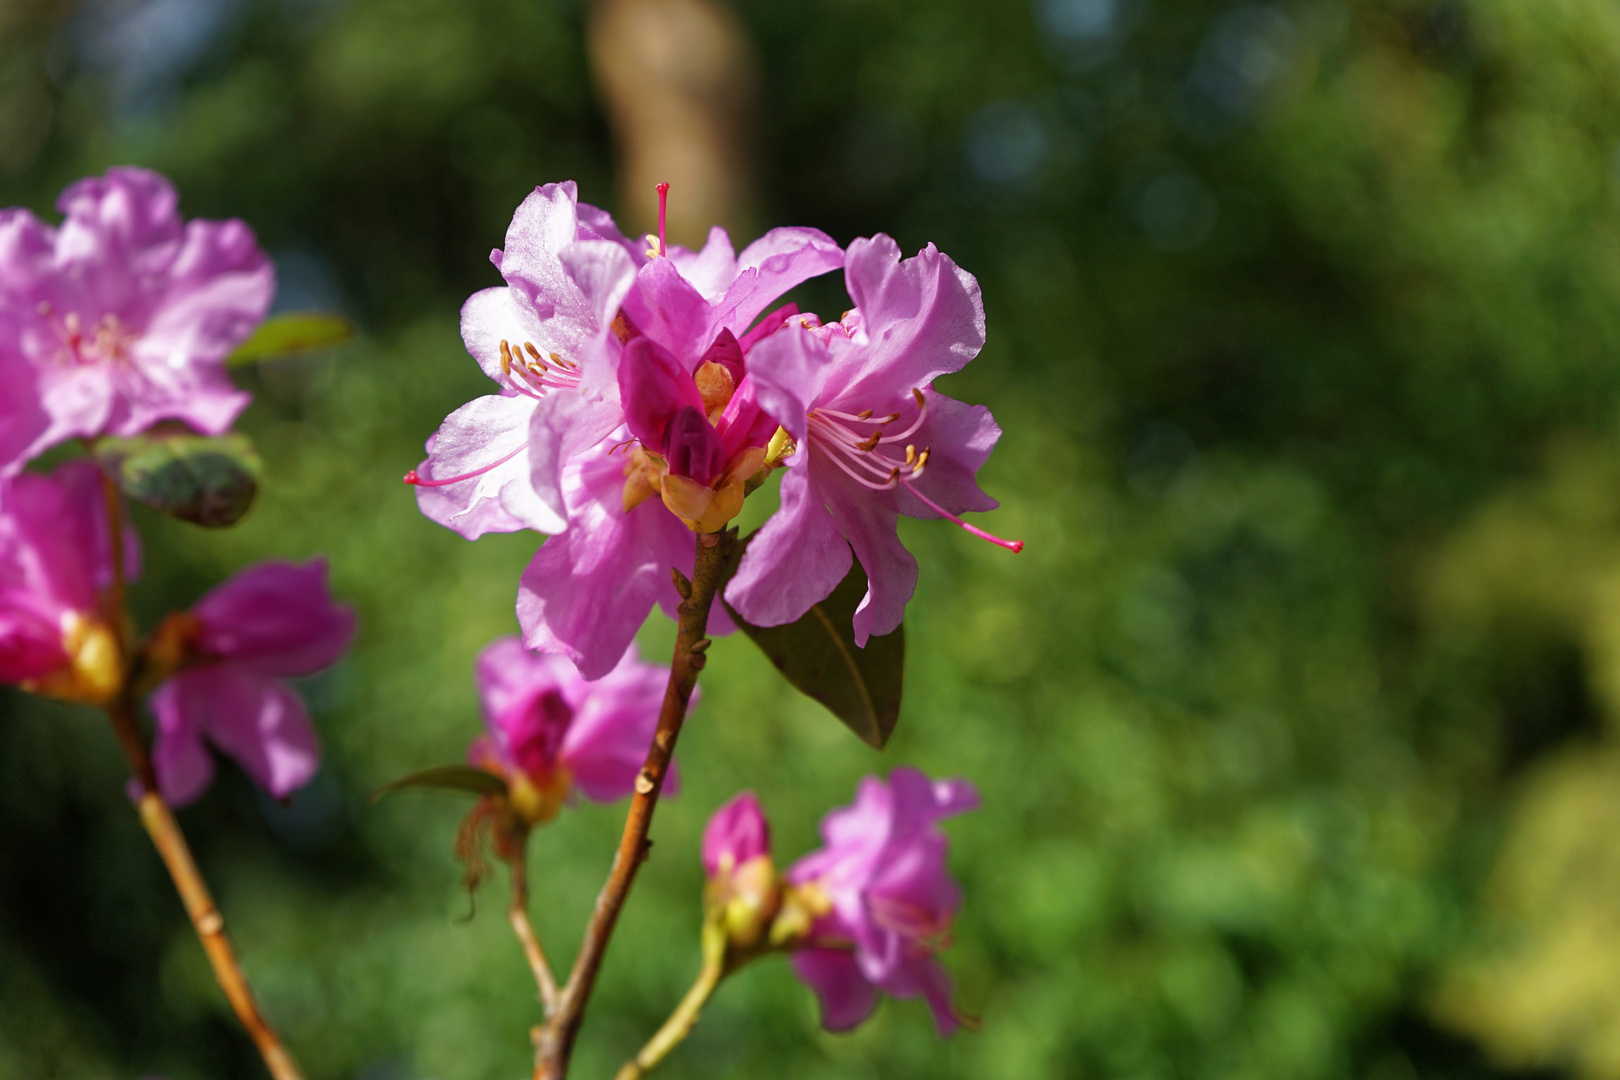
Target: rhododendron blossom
<point>882,899</point>
<point>684,426</point>
<point>55,557</point>
<point>271,622</point>
<point>123,314</point>
<point>551,732</point>
<point>872,439</point>
<point>577,292</point>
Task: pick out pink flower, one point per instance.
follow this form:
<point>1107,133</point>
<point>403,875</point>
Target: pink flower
<point>671,378</point>
<point>270,622</point>
<point>883,899</point>
<point>124,313</point>
<point>551,731</point>
<point>552,339</point>
<point>55,554</point>
<point>873,440</point>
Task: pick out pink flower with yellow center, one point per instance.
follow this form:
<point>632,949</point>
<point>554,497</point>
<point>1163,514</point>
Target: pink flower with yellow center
<point>237,647</point>
<point>55,558</point>
<point>551,733</point>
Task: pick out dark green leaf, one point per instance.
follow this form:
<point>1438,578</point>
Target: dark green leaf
<point>210,481</point>
<point>447,778</point>
<point>818,655</point>
<point>295,332</point>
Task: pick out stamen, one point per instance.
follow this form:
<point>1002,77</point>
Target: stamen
<point>870,442</point>
<point>911,455</point>
<point>864,414</point>
<point>663,208</point>
<point>1014,546</point>
<point>417,480</point>
<point>506,358</point>
<point>532,351</point>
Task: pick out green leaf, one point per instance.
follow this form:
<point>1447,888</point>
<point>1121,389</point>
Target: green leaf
<point>210,481</point>
<point>818,655</point>
<point>447,778</point>
<point>294,332</point>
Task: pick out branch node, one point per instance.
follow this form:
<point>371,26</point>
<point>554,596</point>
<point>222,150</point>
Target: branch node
<point>682,585</point>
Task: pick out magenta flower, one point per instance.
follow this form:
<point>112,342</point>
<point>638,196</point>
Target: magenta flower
<point>55,555</point>
<point>552,339</point>
<point>883,899</point>
<point>125,314</point>
<point>551,731</point>
<point>271,622</point>
<point>873,440</point>
<point>685,426</point>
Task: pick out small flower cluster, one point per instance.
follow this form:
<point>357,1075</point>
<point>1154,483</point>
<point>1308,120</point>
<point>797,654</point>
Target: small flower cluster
<point>112,323</point>
<point>642,392</point>
<point>867,912</point>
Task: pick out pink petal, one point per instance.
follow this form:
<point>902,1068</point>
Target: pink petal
<point>183,764</point>
<point>277,617</point>
<point>737,831</point>
<point>795,561</point>
<point>487,440</point>
<point>846,997</point>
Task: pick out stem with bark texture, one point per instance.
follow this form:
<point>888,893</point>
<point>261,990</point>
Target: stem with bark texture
<point>518,915</point>
<point>554,1041</point>
<point>165,830</point>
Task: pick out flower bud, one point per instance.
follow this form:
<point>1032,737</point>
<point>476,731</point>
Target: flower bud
<point>744,892</point>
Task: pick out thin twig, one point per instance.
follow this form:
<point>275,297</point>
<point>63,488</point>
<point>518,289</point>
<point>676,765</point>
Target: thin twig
<point>685,1016</point>
<point>165,831</point>
<point>210,927</point>
<point>518,915</point>
<point>554,1041</point>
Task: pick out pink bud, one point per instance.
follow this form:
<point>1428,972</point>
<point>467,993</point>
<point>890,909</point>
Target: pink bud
<point>736,833</point>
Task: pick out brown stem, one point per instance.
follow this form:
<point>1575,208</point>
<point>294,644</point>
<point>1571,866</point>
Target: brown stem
<point>210,927</point>
<point>518,915</point>
<point>554,1041</point>
<point>165,831</point>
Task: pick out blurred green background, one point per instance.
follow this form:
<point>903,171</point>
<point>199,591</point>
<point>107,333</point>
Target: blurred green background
<point>1295,722</point>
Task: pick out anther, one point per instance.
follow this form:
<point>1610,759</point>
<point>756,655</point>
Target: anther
<point>894,475</point>
<point>870,442</point>
<point>891,418</point>
<point>911,456</point>
<point>864,414</point>
<point>528,347</point>
<point>506,358</point>
<point>917,394</point>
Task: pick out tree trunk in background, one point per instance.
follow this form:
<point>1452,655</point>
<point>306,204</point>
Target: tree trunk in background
<point>677,81</point>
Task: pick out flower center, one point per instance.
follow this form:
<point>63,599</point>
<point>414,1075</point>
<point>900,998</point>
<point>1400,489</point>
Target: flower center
<point>859,444</point>
<point>107,342</point>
